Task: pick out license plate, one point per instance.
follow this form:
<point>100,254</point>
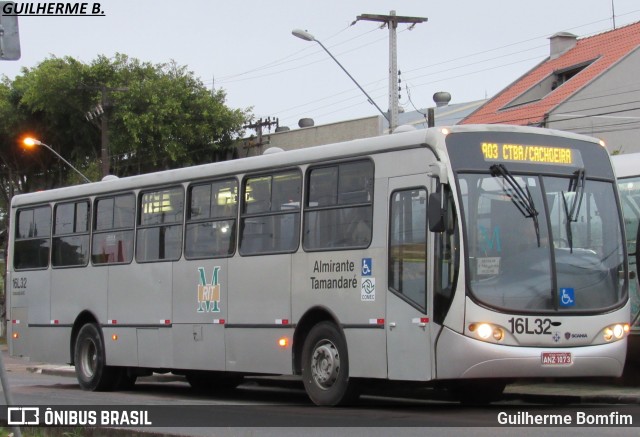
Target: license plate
<point>556,358</point>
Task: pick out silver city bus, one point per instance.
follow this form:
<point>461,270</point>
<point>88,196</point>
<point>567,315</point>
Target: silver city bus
<point>462,257</point>
<point>627,168</point>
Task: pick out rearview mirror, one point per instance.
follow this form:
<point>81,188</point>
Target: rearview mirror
<point>436,212</point>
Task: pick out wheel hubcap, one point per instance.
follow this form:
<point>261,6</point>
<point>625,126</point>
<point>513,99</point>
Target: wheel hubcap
<point>325,364</point>
<point>89,358</point>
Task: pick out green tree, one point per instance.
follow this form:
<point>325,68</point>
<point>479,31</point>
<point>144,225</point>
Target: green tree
<point>159,116</point>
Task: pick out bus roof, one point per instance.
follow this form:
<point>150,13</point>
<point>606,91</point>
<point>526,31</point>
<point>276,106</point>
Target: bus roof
<point>433,137</point>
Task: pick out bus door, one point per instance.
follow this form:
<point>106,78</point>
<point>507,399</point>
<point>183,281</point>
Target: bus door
<point>408,309</point>
<point>631,212</point>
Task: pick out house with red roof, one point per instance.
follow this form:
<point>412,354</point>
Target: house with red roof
<point>588,85</point>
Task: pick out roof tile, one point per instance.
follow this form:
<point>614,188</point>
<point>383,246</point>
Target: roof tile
<point>606,48</point>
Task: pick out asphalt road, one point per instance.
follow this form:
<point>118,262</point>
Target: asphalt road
<point>259,408</point>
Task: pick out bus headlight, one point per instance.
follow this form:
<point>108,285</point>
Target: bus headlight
<point>615,331</point>
<point>486,331</point>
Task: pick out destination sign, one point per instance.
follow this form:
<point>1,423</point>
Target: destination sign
<point>534,154</point>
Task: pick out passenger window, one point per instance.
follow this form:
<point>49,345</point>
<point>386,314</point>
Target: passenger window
<point>408,245</point>
<point>159,235</point>
<point>113,230</point>
<point>270,221</point>
<point>71,234</point>
<point>31,247</point>
<point>339,207</point>
<point>211,220</point>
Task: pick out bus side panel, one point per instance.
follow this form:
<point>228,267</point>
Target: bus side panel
<point>18,331</point>
<point>367,350</point>
<point>334,281</point>
<point>259,298</point>
<point>37,289</point>
<point>140,294</point>
<point>200,308</point>
<point>124,351</point>
<point>257,351</point>
<point>50,344</point>
<point>77,289</point>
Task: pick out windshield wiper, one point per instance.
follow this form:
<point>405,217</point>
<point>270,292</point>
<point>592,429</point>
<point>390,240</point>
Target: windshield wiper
<point>521,197</point>
<point>576,185</point>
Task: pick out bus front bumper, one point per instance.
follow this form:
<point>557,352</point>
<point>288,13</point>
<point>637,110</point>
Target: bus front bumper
<point>459,356</point>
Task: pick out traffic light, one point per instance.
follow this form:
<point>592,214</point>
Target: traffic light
<point>9,36</point>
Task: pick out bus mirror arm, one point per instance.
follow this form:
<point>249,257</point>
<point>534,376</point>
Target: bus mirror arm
<point>439,170</point>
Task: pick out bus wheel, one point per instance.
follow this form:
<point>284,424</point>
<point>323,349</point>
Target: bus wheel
<point>89,357</point>
<point>325,366</point>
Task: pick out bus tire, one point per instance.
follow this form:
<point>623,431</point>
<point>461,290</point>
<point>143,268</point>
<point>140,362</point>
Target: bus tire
<point>325,367</point>
<point>90,361</point>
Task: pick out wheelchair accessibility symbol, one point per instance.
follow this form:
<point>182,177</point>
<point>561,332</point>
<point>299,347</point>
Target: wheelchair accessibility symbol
<point>567,297</point>
<point>367,267</point>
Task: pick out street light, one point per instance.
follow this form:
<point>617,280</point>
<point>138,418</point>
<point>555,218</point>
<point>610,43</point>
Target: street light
<point>30,142</point>
<point>303,34</point>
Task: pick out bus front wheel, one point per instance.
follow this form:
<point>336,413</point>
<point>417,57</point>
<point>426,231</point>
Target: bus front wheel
<point>90,362</point>
<point>325,366</point>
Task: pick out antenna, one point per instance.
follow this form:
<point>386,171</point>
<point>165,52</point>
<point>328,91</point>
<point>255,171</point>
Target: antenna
<point>613,13</point>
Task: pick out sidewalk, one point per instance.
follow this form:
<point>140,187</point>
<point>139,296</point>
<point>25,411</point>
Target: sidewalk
<point>625,390</point>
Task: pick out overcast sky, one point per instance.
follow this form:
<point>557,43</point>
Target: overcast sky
<point>469,48</point>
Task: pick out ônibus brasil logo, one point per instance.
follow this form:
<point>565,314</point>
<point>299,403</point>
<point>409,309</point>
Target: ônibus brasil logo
<point>209,293</point>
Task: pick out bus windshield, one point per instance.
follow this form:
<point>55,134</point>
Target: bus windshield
<point>541,238</point>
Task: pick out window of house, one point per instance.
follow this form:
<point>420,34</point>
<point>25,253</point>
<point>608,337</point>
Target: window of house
<point>547,85</point>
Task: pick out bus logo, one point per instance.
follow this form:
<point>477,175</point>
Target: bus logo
<point>209,294</point>
<point>368,290</point>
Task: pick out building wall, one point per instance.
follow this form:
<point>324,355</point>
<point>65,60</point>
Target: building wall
<point>608,108</point>
<point>318,135</point>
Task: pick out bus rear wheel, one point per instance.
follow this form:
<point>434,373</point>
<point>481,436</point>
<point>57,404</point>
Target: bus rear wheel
<point>90,361</point>
<point>325,367</point>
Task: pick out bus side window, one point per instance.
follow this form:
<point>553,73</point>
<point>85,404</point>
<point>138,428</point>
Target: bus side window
<point>211,220</point>
<point>159,233</point>
<point>113,223</point>
<point>270,219</point>
<point>33,232</point>
<point>71,235</point>
<point>339,206</point>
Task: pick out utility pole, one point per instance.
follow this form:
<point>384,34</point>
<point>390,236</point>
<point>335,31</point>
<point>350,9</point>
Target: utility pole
<point>102,112</point>
<point>258,128</point>
<point>391,21</point>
